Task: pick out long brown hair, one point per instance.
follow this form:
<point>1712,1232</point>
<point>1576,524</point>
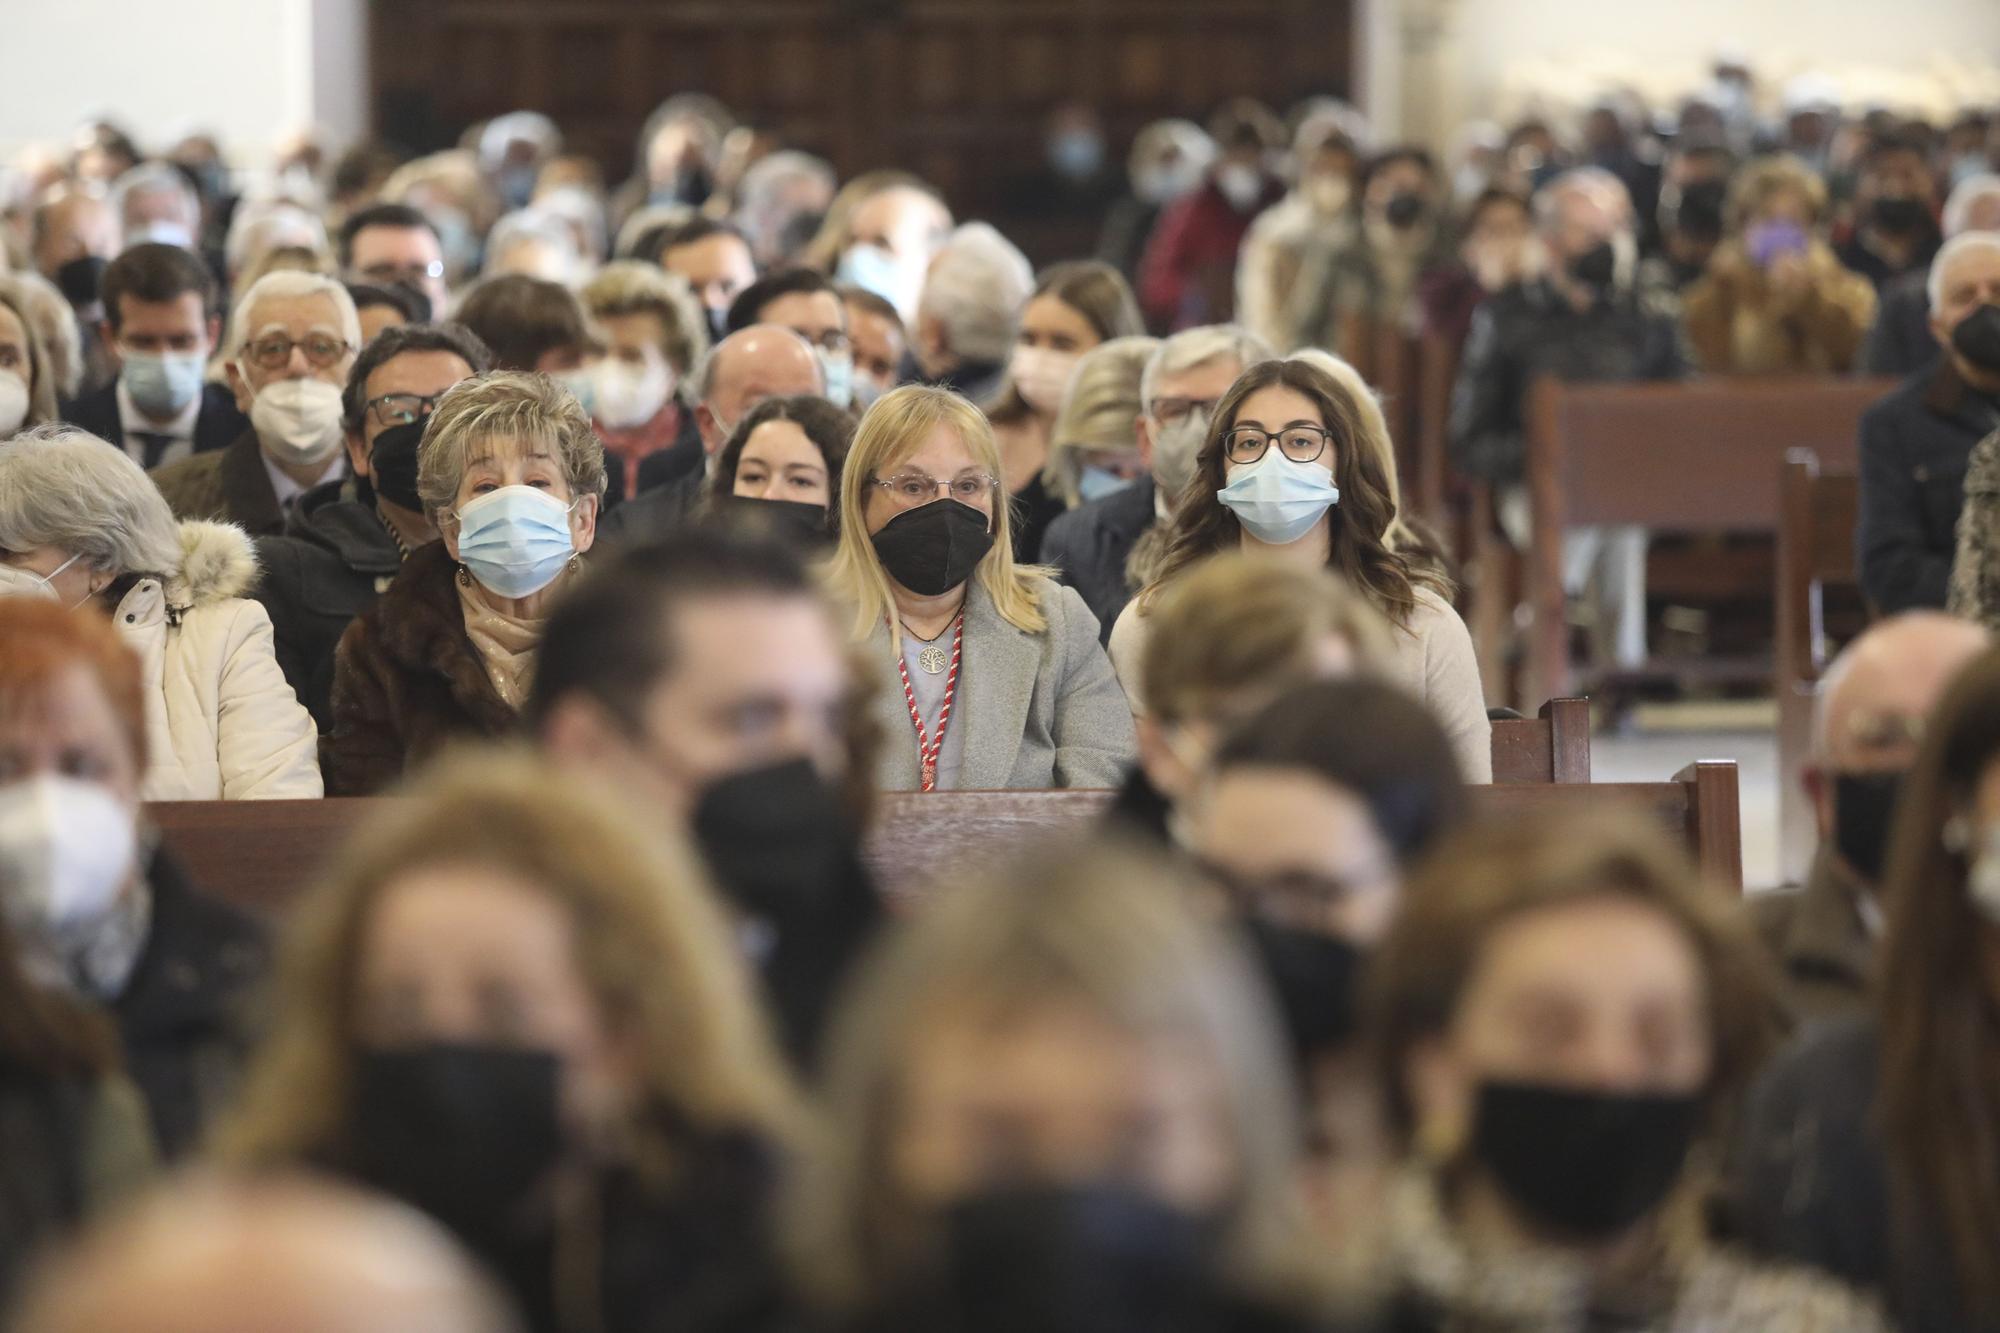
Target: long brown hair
<point>1940,1038</point>
<point>1356,547</point>
<point>1094,290</point>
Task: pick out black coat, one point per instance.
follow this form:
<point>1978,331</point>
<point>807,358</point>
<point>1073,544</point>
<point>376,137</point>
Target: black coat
<point>1915,445</point>
<point>677,460</point>
<point>333,562</point>
<point>1810,1183</point>
<point>1091,543</point>
<point>1530,330</point>
<point>182,1015</point>
<point>215,425</point>
<point>1900,341</point>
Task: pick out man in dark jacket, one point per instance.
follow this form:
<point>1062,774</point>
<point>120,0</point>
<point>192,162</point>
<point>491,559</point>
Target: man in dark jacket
<point>1916,442</point>
<point>348,538</point>
<point>1867,717</point>
<point>1900,342</point>
<point>162,317</point>
<point>1093,544</point>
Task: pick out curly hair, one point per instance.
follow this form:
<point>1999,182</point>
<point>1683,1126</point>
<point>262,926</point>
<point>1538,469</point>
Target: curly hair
<point>1357,548</point>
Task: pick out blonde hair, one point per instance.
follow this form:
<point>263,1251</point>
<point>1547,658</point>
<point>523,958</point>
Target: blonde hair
<point>893,429</point>
<point>1759,181</point>
<point>630,287</point>
<point>1236,623</point>
<point>1113,929</point>
<point>651,945</point>
<point>1100,410</point>
<point>525,406</point>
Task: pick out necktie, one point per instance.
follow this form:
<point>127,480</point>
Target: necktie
<point>155,445</point>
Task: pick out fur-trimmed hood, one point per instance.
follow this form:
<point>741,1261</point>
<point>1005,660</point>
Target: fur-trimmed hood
<point>218,561</point>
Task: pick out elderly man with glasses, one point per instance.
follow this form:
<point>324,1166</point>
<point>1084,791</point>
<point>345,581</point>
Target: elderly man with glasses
<point>347,538</point>
<point>292,339</point>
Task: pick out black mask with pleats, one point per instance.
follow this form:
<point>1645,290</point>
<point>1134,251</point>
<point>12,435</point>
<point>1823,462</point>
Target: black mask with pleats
<point>1977,338</point>
<point>935,547</point>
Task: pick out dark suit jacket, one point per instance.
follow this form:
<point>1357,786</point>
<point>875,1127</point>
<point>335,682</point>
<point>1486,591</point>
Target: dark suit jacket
<point>1091,543</point>
<point>653,514</point>
<point>1915,445</point>
<point>677,460</point>
<point>1900,342</point>
<point>215,425</point>
<point>229,485</point>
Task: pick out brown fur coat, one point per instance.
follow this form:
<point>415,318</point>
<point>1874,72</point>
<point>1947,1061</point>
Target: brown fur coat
<point>407,680</point>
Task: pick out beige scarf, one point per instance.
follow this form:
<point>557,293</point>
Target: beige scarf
<point>506,644</point>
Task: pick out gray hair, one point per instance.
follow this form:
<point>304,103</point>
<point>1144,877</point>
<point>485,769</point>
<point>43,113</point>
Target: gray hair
<point>1594,182</point>
<point>769,177</point>
<point>288,285</point>
<point>1197,347</point>
<point>1966,195</point>
<point>259,228</point>
<point>64,487</point>
<point>1948,253</point>
<point>156,178</point>
<point>538,223</point>
<point>55,320</point>
<point>976,288</point>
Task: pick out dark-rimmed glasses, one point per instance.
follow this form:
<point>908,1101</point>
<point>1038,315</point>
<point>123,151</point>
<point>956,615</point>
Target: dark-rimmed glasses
<point>1301,441</point>
<point>273,351</point>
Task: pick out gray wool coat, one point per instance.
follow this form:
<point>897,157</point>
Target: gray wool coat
<point>1038,710</point>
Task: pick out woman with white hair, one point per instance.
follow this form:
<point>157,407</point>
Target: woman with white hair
<point>80,522</point>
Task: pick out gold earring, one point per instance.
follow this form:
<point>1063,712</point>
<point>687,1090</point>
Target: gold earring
<point>464,579</point>
<point>575,563</point>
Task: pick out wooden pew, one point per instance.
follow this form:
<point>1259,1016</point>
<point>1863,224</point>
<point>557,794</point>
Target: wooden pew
<point>262,854</point>
<point>1699,457</point>
<point>1817,511</point>
<point>1552,746</point>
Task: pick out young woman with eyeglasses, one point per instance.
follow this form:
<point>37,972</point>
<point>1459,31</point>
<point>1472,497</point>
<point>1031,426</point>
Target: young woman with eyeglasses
<point>1283,474</point>
<point>994,674</point>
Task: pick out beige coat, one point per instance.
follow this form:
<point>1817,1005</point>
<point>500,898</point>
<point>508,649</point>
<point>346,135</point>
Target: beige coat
<point>1432,659</point>
<point>221,721</point>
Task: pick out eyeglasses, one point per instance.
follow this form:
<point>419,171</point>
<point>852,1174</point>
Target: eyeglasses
<point>400,409</point>
<point>831,340</point>
<point>273,351</point>
<point>403,272</point>
<point>1301,442</point>
<point>1173,411</point>
<point>907,490</point>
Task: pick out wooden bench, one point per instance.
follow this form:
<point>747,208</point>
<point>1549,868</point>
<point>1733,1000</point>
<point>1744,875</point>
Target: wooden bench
<point>1696,457</point>
<point>1553,746</point>
<point>1819,605</point>
<point>262,854</point>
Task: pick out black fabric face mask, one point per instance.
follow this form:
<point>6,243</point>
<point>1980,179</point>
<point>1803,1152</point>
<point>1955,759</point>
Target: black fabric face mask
<point>1315,977</point>
<point>1587,1165</point>
<point>1404,211</point>
<point>1090,1259</point>
<point>392,465</point>
<point>463,1132</point>
<point>1864,810</point>
<point>777,839</point>
<point>935,547</point>
<point>1899,215</point>
<point>1977,338</point>
<point>801,526</point>
<point>78,280</point>
<point>718,325</point>
<point>1596,267</point>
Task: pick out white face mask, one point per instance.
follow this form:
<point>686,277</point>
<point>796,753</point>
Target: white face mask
<point>17,582</point>
<point>628,395</point>
<point>67,847</point>
<point>298,421</point>
<point>1240,185</point>
<point>1042,376</point>
<point>13,402</point>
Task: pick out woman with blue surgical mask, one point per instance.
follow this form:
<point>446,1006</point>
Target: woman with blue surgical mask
<point>1287,472</point>
<point>1094,444</point>
<point>512,475</point>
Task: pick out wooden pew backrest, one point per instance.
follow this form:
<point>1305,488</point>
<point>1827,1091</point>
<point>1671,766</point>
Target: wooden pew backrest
<point>261,855</point>
<point>1553,746</point>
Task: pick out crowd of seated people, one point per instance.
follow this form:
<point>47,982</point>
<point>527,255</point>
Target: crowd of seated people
<point>634,548</point>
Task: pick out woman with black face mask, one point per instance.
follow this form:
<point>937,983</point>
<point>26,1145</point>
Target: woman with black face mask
<point>779,471</point>
<point>994,675</point>
<point>1311,814</point>
<point>1562,1014</point>
<point>1058,1104</point>
<point>514,1011</point>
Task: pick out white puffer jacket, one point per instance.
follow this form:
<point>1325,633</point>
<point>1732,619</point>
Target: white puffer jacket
<point>221,721</point>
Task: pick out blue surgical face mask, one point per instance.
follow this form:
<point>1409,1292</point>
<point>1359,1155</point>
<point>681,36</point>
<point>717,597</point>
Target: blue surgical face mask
<point>515,540</point>
<point>162,383</point>
<point>1094,483</point>
<point>837,369</point>
<point>1277,500</point>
